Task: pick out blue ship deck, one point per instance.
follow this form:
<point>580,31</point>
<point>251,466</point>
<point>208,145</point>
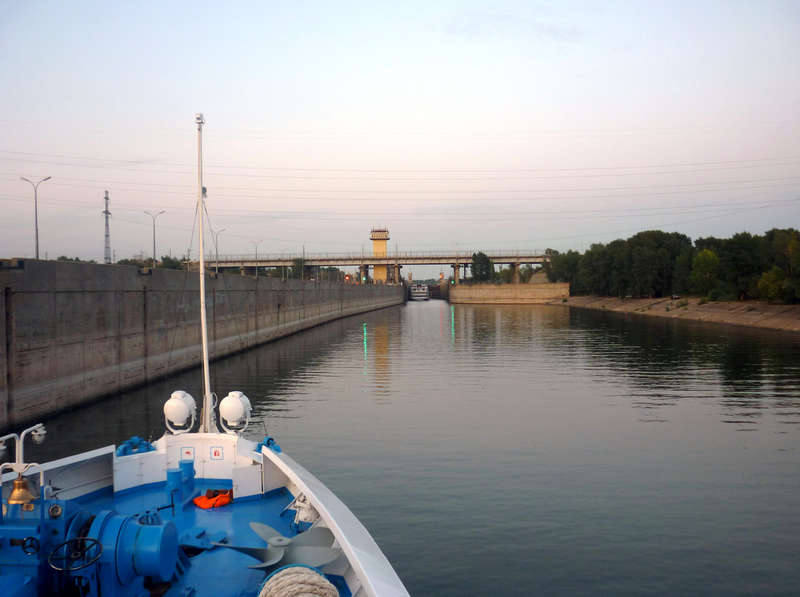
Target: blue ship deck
<point>216,571</point>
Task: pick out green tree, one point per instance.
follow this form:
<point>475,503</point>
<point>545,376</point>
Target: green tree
<point>169,262</point>
<point>563,267</point>
<point>526,273</point>
<point>656,263</point>
<point>644,261</point>
<point>505,275</point>
<point>619,259</point>
<point>741,260</point>
<point>705,269</point>
<point>783,249</point>
<point>136,262</point>
<point>771,284</point>
<point>653,257</point>
<point>482,267</point>
<point>594,270</point>
<point>75,259</point>
<point>682,271</point>
<point>709,242</point>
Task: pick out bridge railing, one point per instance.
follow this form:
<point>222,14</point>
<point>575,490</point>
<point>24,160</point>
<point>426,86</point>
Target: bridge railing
<point>389,255</point>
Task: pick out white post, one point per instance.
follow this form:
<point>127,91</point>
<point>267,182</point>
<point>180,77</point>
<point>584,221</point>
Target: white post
<point>201,193</point>
<point>36,207</point>
<point>154,216</point>
<point>216,246</point>
<point>255,245</point>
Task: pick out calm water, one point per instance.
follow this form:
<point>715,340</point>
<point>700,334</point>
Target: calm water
<point>530,450</point>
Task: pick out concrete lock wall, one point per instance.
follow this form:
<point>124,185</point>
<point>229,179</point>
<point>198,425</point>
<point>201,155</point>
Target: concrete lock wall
<point>73,332</point>
<point>508,294</point>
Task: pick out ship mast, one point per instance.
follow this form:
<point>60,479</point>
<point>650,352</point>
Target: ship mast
<point>206,424</point>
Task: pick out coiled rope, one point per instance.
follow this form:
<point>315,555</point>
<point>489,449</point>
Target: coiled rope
<point>298,581</point>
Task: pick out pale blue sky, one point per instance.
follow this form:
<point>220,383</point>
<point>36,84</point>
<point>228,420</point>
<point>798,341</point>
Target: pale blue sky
<point>455,124</point>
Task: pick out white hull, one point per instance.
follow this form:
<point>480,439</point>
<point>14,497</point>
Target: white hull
<point>419,292</point>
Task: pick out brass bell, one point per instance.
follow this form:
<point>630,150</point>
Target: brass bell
<point>21,493</point>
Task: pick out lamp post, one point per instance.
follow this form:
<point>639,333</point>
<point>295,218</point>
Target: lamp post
<point>154,216</point>
<point>216,246</point>
<point>255,245</point>
<point>35,186</point>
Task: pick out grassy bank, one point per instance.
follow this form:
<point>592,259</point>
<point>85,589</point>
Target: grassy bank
<point>758,314</point>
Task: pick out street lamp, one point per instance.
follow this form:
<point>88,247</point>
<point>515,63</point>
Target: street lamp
<point>216,246</point>
<point>255,244</point>
<point>35,186</point>
<point>154,216</point>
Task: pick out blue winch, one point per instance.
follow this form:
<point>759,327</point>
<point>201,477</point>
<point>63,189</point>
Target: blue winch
<point>59,548</point>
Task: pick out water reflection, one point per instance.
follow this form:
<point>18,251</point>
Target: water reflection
<point>382,359</point>
<point>267,375</point>
<point>377,339</point>
<point>665,361</point>
<point>651,364</point>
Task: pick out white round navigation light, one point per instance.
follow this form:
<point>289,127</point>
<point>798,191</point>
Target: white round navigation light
<point>180,411</point>
<point>234,412</point>
<point>38,434</point>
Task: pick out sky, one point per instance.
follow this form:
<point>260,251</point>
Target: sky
<point>458,125</point>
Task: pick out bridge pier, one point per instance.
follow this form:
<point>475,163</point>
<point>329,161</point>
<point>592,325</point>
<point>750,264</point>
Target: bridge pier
<point>456,269</point>
<point>515,273</point>
<point>363,274</point>
<point>397,273</point>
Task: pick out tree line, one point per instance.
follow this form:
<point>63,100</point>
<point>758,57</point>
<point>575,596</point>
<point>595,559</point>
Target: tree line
<point>167,261</point>
<point>657,264</point>
<point>483,270</point>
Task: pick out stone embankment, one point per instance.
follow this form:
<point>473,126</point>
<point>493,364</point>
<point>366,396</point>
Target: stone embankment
<point>73,332</point>
<point>757,314</point>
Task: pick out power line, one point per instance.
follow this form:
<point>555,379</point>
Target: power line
<point>766,161</point>
<point>224,191</point>
<point>417,179</point>
<point>635,230</point>
<point>349,215</point>
<point>536,215</point>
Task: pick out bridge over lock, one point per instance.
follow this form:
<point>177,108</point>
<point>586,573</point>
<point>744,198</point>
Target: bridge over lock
<point>391,261</point>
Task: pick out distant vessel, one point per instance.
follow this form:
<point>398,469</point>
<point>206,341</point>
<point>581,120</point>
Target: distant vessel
<point>204,512</point>
<point>419,292</point>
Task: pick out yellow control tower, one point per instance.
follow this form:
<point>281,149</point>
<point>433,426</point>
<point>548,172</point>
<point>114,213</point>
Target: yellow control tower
<point>379,238</point>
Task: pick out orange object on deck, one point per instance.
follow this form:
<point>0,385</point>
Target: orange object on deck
<point>214,498</point>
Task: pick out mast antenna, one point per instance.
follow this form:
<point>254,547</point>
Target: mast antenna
<point>107,255</point>
<point>206,425</point>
